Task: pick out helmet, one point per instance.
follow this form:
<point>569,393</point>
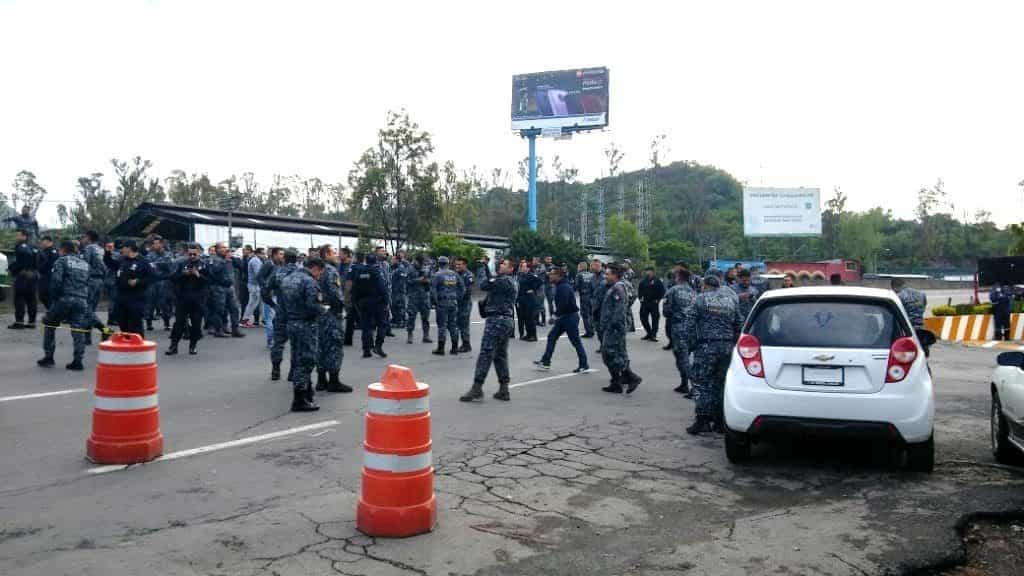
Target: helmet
<point>442,261</point>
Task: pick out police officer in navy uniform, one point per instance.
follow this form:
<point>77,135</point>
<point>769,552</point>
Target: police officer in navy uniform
<point>448,291</point>
<point>614,310</point>
<point>368,292</point>
<point>399,287</point>
<point>1001,300</point>
<point>331,353</point>
<point>192,286</point>
<point>69,301</point>
<point>26,274</point>
<point>465,302</point>
<point>677,301</point>
<point>133,278</point>
<point>418,285</point>
<point>284,265</point>
<point>713,322</point>
<point>500,300</point>
<point>302,308</point>
<point>914,301</point>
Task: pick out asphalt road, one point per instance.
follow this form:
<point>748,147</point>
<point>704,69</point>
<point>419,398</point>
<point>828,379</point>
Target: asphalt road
<point>564,479</point>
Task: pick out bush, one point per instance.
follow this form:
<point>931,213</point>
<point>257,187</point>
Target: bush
<point>943,310</point>
<point>982,309</point>
<point>454,247</point>
<point>962,309</point>
<point>1017,307</point>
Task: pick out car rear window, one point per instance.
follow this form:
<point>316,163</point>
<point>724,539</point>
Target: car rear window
<point>826,323</point>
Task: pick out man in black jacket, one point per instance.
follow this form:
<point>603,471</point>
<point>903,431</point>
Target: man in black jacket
<point>191,281</point>
<point>25,273</point>
<point>651,291</point>
<point>567,320</point>
<point>133,276</point>
<point>47,258</point>
<point>526,302</point>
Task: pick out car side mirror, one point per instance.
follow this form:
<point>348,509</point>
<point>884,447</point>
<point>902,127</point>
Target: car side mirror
<point>925,337</point>
<point>1015,359</point>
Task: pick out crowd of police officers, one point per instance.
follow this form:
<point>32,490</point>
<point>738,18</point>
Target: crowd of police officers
<point>314,302</point>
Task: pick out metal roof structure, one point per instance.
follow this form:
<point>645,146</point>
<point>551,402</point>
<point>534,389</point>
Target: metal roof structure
<point>172,221</point>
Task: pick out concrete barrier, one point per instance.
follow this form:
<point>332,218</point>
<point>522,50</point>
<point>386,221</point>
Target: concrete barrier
<point>971,327</point>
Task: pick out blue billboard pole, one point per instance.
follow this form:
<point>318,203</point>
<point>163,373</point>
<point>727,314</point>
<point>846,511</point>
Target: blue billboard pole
<point>532,198</point>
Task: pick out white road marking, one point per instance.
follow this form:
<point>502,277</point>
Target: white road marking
<point>556,377</point>
<point>43,394</point>
<point>221,446</point>
<point>990,344</point>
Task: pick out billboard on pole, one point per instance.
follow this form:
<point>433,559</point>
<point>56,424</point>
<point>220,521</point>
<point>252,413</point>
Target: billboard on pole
<point>574,99</point>
<point>781,211</point>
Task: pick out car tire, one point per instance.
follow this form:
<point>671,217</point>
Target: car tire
<point>921,456</point>
<point>1001,448</point>
<point>737,447</point>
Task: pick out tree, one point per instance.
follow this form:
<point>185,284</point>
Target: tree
<point>525,243</point>
<point>1017,240</point>
<point>625,241</point>
<point>195,190</point>
<point>26,190</point>
<point>97,208</point>
<point>394,186</point>
<point>665,253</point>
<point>832,222</point>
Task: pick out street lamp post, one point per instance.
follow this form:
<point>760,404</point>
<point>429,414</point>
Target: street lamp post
<point>714,253</point>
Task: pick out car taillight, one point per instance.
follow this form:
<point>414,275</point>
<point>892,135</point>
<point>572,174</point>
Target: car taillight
<point>901,357</point>
<point>749,349</point>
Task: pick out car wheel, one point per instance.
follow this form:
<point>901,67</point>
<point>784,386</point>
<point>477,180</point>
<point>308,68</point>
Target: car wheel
<point>1001,448</point>
<point>921,456</point>
<point>737,447</point>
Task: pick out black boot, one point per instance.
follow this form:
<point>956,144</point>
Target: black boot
<point>235,333</point>
<point>682,388</point>
<point>366,354</point>
<point>380,352</point>
<point>475,393</point>
<point>615,387</point>
<point>439,351</point>
<point>149,325</point>
<point>631,380</point>
<point>455,348</point>
<point>409,339</point>
<point>172,350</point>
<point>192,349</point>
<point>718,425</point>
<point>275,371</point>
<point>75,365</point>
<point>45,362</point>
<point>700,425</point>
<point>466,348</point>
<point>427,340</point>
<point>336,385</point>
<point>502,393</point>
<point>301,403</point>
<point>667,346</point>
<point>321,380</point>
<point>221,334</point>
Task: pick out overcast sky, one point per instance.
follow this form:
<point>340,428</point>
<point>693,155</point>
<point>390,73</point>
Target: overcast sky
<point>879,98</point>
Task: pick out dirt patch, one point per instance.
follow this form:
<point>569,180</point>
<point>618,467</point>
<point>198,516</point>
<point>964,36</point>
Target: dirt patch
<point>994,548</point>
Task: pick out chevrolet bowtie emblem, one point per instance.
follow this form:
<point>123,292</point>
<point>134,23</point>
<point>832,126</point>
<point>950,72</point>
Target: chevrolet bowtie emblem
<point>824,357</point>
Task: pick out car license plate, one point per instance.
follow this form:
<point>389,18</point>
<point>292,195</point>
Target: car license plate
<point>823,376</point>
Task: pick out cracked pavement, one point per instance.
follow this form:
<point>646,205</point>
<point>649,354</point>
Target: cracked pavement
<point>562,480</point>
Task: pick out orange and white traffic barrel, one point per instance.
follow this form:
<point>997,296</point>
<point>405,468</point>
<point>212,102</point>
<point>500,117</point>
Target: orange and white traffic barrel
<point>398,473</point>
<point>126,417</point>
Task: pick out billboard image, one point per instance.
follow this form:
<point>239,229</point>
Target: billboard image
<point>781,211</point>
<point>564,98</point>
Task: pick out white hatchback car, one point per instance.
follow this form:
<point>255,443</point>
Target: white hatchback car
<point>1008,407</point>
<point>840,361</point>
